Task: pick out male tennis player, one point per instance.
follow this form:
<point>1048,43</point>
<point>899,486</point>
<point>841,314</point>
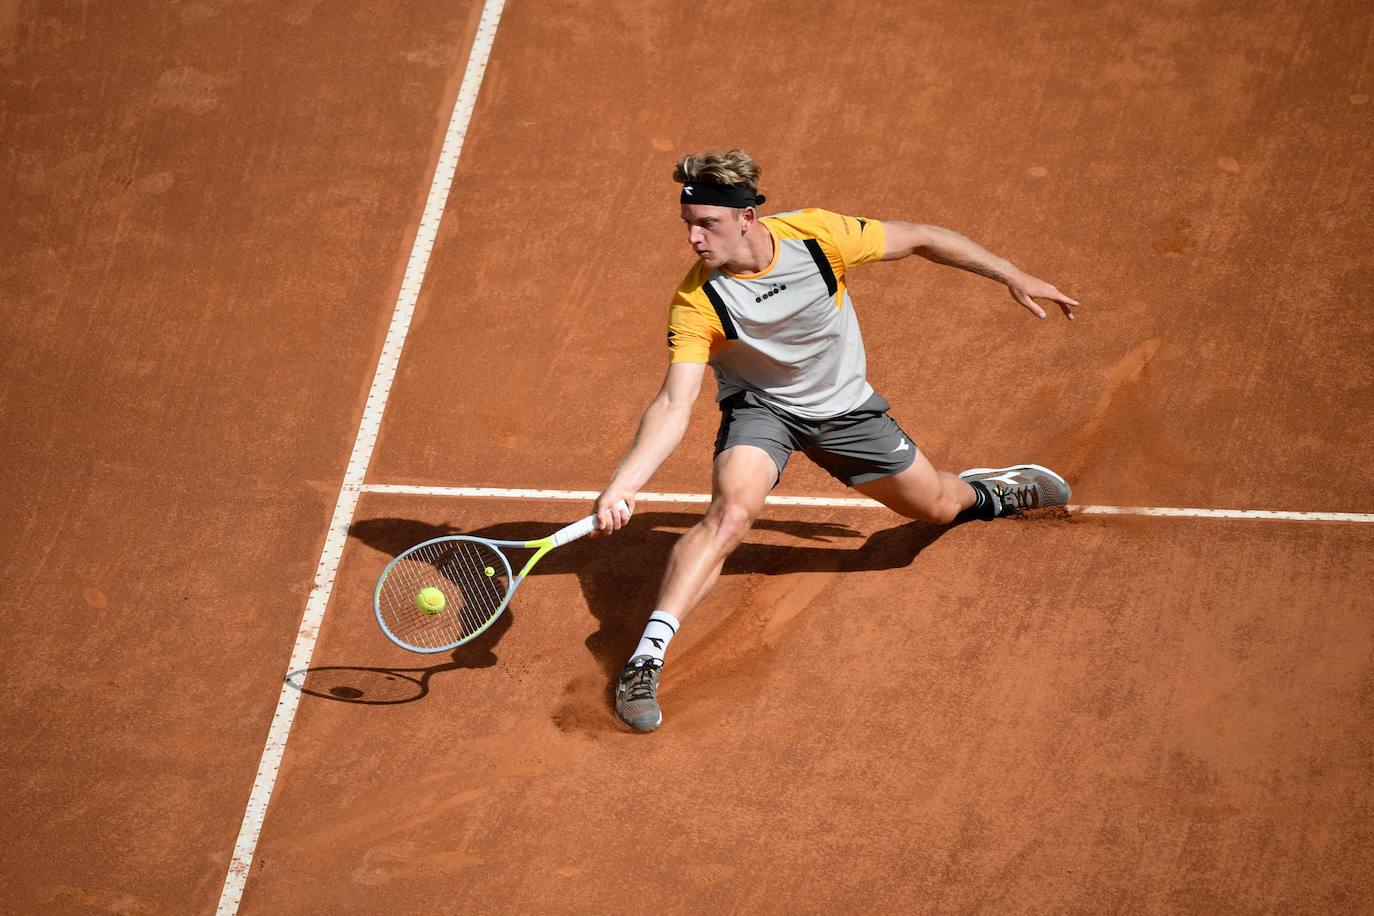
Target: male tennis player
<point>766,307</point>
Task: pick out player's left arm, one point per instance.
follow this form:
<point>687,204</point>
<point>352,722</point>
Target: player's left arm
<point>944,246</point>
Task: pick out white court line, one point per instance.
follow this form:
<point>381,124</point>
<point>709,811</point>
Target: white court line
<point>859,503</point>
<point>358,460</point>
<point>1270,514</point>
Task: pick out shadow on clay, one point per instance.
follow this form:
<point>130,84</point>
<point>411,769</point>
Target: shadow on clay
<point>619,602</point>
<point>389,686</point>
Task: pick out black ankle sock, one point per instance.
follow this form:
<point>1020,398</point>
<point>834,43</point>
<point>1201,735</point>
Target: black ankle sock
<point>986,506</point>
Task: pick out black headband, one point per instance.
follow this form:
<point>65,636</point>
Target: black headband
<point>720,195</point>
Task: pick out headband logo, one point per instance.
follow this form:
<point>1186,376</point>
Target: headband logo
<point>687,190</point>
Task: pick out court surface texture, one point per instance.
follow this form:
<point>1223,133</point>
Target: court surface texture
<point>291,286</point>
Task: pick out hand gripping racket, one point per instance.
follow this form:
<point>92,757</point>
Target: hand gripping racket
<point>472,574</point>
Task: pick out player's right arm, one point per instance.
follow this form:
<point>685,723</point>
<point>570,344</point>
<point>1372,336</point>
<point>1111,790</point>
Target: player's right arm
<point>661,428</point>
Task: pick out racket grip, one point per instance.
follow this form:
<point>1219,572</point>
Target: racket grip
<point>580,529</point>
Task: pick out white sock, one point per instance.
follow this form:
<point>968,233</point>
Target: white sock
<point>659,631</point>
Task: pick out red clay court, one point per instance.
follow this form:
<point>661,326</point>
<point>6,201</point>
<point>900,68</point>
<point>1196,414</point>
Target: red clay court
<point>291,286</point>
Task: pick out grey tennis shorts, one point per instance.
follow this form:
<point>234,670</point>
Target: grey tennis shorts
<point>862,445</point>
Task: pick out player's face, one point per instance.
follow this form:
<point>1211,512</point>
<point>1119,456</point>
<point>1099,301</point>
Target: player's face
<point>716,234</point>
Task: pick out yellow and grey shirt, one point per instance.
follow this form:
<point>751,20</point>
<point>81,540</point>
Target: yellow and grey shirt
<point>787,333</point>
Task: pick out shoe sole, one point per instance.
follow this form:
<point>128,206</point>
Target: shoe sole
<point>640,729</point>
<point>973,472</point>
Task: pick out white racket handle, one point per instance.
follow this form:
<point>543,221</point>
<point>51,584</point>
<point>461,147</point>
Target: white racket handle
<point>581,528</point>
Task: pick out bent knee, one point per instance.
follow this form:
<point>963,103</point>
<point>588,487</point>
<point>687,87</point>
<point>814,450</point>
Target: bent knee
<point>729,521</point>
<point>936,509</point>
<point>941,512</point>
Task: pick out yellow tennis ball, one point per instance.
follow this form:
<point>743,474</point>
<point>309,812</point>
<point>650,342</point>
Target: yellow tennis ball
<point>431,600</point>
<point>490,571</point>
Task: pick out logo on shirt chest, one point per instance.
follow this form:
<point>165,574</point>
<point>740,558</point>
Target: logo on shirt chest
<point>773,290</point>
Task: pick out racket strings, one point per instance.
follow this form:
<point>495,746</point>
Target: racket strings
<point>456,568</point>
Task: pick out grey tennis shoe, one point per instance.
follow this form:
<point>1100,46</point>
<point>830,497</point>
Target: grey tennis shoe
<point>1021,487</point>
<point>636,694</point>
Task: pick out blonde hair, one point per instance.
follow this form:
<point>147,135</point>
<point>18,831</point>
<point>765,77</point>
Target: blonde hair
<point>734,168</point>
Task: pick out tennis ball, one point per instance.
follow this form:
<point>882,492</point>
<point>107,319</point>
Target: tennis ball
<point>490,571</point>
<point>430,600</point>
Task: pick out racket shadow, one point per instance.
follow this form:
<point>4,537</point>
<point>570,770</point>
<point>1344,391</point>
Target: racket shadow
<point>374,686</point>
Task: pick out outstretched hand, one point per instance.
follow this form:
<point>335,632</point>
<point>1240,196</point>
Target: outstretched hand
<point>1025,289</point>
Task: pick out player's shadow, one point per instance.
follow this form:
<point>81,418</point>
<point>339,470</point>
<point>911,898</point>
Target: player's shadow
<point>620,576</point>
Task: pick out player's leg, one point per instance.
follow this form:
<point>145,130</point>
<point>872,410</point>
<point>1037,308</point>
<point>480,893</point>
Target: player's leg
<point>752,447</point>
<point>921,492</point>
<point>867,450</point>
<point>742,477</point>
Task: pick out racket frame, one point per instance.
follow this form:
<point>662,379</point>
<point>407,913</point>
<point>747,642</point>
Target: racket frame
<point>540,546</point>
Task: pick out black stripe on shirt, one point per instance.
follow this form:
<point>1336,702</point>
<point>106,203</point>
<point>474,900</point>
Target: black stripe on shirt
<point>822,264</point>
<point>722,312</point>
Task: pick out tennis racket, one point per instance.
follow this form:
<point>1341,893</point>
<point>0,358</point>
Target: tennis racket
<point>474,577</point>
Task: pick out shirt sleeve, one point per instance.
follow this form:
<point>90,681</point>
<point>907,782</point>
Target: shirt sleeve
<point>858,240</point>
<point>848,241</point>
<point>694,329</point>
<point>689,338</point>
